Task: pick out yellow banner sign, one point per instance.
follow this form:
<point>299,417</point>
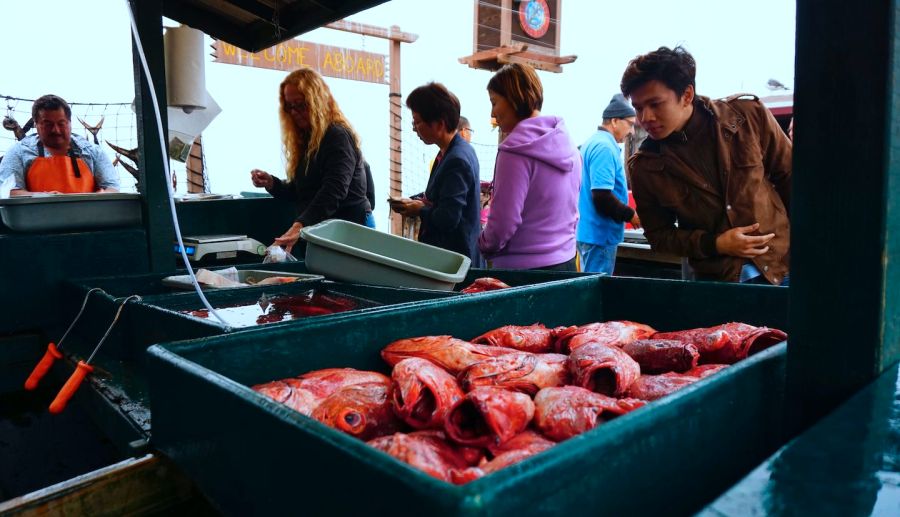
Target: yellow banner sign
<point>329,61</point>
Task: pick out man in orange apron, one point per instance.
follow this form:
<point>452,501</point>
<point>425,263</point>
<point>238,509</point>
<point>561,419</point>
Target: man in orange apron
<point>54,160</point>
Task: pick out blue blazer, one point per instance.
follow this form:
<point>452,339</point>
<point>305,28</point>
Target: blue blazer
<point>451,216</point>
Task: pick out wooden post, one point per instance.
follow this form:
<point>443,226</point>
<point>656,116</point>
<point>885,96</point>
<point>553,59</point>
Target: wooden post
<point>845,225</point>
<point>394,98</point>
<point>195,168</point>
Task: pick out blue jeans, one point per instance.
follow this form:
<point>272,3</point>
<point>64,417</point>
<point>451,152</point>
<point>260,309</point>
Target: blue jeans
<point>597,259</point>
<point>749,270</point>
<point>370,220</point>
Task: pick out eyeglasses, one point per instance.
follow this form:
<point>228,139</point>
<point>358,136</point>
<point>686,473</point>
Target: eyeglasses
<point>295,106</point>
<point>470,130</point>
<point>629,122</point>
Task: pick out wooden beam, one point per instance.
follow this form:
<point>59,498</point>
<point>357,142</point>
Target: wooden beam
<point>133,486</point>
<point>494,58</point>
<point>393,34</point>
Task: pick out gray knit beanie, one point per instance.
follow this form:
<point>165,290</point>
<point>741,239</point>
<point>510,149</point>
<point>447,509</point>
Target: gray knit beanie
<point>618,108</point>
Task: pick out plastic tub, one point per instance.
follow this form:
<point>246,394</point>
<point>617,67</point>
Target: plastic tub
<point>54,212</point>
<point>354,253</point>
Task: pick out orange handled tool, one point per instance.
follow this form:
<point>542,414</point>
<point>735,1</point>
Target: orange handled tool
<point>70,387</point>
<point>53,353</point>
<point>84,368</point>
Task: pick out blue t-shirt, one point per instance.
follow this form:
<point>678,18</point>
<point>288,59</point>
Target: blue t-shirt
<point>18,160</point>
<point>603,170</point>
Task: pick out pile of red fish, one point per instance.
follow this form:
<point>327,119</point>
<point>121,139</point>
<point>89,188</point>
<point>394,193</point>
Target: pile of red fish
<point>459,410</point>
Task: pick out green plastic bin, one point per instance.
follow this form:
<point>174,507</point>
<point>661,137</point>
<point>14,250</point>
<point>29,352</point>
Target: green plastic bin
<point>351,252</point>
<point>250,455</point>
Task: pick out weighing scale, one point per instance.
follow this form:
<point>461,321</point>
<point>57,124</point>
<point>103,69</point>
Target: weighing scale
<point>221,246</point>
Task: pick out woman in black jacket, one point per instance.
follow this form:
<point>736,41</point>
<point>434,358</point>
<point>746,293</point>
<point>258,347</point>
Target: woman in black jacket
<point>326,175</point>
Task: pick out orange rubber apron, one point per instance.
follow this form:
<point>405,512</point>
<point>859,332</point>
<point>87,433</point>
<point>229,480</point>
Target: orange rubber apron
<point>67,174</point>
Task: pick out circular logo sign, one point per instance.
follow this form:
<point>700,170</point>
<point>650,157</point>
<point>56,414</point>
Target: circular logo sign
<point>534,17</point>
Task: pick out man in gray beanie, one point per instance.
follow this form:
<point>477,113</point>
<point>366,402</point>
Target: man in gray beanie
<point>603,199</point>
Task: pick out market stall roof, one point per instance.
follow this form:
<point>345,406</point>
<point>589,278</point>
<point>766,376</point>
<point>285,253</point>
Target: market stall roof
<point>254,25</point>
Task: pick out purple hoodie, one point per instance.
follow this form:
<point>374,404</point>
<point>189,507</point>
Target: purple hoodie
<point>535,205</point>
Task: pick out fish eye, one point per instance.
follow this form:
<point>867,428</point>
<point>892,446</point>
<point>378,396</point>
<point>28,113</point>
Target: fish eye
<point>352,419</point>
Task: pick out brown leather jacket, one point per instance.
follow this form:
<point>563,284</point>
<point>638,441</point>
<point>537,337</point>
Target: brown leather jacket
<point>754,166</point>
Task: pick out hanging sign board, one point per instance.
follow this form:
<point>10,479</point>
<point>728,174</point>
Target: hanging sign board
<point>329,61</point>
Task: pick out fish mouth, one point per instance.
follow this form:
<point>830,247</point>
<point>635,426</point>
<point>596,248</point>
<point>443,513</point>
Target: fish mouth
<point>467,423</point>
<point>424,408</point>
<point>603,381</point>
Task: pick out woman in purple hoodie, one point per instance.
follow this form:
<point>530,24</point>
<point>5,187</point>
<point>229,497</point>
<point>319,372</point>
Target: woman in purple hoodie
<point>536,179</point>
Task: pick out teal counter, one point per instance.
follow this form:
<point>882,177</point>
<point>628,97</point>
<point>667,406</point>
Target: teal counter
<point>848,464</point>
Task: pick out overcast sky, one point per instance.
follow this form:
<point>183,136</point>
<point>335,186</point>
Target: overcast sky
<point>80,49</point>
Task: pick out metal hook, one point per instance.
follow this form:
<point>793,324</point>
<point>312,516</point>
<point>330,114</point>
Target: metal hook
<point>111,325</point>
<point>83,305</point>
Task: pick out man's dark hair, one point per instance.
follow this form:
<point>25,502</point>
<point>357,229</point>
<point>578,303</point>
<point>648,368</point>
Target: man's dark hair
<point>50,102</point>
<point>434,102</point>
<point>463,123</point>
<point>675,68</point>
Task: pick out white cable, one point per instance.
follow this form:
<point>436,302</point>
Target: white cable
<point>162,146</point>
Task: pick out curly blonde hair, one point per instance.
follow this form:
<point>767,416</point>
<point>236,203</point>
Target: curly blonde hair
<point>323,112</point>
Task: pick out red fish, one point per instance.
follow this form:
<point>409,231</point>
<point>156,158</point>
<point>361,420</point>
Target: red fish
<point>305,392</point>
<point>532,338</point>
<point>360,410</point>
<point>662,355</point>
<point>489,416</point>
<point>727,343</point>
<point>705,370</point>
<point>527,439</point>
<point>484,283</point>
<point>451,354</point>
<point>561,413</point>
<point>291,393</point>
<point>610,333</point>
<point>429,452</point>
<point>423,393</point>
<point>603,369</point>
<point>519,371</point>
<point>514,450</point>
<point>652,387</point>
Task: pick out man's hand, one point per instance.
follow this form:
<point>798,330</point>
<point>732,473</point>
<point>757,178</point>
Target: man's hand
<point>635,221</point>
<point>290,237</point>
<point>261,179</point>
<point>109,190</point>
<point>737,243</point>
<point>406,206</point>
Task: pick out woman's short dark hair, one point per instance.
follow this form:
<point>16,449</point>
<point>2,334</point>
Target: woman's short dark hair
<point>50,102</point>
<point>675,68</point>
<point>434,102</point>
<point>520,86</point>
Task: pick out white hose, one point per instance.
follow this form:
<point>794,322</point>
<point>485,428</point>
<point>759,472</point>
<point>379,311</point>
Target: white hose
<point>162,146</point>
